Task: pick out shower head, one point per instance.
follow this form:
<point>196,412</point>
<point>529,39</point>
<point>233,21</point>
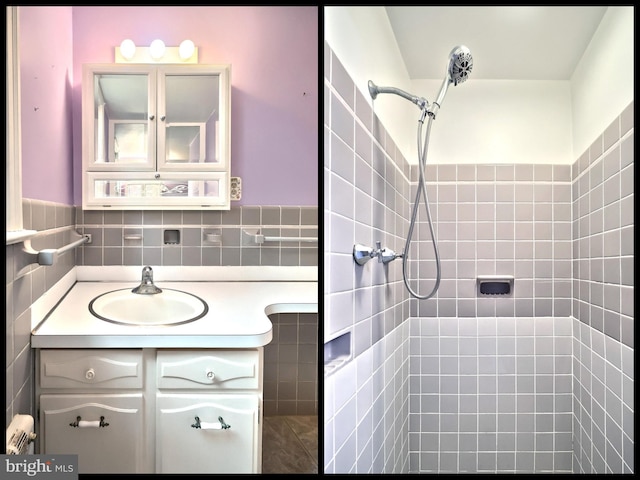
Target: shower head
<point>460,64</point>
<point>458,70</point>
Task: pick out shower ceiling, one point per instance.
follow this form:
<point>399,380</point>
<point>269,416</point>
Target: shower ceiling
<point>507,43</point>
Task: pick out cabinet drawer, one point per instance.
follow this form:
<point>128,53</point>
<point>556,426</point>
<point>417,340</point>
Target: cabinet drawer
<point>214,369</point>
<point>95,368</point>
<point>105,431</point>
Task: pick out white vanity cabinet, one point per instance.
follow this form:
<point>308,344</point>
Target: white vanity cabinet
<point>90,403</point>
<point>152,410</point>
<point>156,136</point>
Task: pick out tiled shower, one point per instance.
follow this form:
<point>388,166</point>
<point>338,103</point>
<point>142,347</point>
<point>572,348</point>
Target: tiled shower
<point>539,381</point>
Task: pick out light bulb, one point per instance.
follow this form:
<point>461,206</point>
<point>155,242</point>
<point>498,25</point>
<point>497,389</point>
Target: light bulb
<point>186,49</point>
<point>156,49</point>
<point>127,49</point>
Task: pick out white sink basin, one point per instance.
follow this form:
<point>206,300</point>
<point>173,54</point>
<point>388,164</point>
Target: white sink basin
<point>170,307</point>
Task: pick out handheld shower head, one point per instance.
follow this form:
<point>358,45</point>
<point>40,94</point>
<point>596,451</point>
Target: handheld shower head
<point>458,70</point>
<point>460,64</point>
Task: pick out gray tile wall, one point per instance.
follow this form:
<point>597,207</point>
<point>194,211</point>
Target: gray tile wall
<point>603,301</point>
<point>490,395</point>
<point>603,402</point>
<point>366,195</point>
<point>503,391</point>
<point>566,234</point>
<point>512,220</point>
<point>602,223</point>
<point>291,365</point>
<point>137,237</point>
<point>25,283</point>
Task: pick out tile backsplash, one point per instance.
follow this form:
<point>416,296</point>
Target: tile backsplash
<point>138,237</point>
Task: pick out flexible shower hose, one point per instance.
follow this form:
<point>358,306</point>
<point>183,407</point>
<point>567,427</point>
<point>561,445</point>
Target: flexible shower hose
<point>422,188</point>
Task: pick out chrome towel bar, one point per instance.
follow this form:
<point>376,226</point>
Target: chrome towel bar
<point>257,238</point>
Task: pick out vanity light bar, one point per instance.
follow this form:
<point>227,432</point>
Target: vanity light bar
<point>157,52</point>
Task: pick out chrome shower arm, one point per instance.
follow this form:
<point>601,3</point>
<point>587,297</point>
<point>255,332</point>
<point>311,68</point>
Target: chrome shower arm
<point>374,90</point>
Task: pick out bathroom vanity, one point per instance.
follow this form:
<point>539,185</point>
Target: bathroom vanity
<point>184,398</point>
<point>193,411</point>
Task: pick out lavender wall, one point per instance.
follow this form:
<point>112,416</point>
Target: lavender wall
<point>274,56</point>
<point>46,64</point>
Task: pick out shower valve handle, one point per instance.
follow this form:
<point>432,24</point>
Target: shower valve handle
<point>362,254</point>
<point>378,251</point>
<point>387,256</point>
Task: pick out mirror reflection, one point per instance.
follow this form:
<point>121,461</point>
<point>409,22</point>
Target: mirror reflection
<point>188,123</point>
<point>121,116</point>
<point>191,124</point>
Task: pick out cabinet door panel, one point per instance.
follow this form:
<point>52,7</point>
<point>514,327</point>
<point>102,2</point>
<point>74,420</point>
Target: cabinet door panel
<point>164,191</point>
<point>114,448</point>
<point>182,448</point>
<point>119,117</point>
<point>193,117</point>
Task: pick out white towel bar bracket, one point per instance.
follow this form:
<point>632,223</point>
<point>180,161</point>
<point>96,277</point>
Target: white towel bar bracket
<point>48,256</point>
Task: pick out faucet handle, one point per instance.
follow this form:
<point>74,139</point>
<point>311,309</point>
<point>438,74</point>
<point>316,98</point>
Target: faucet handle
<point>388,255</point>
<point>379,251</point>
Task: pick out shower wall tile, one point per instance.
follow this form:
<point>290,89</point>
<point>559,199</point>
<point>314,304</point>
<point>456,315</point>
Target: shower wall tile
<point>490,394</point>
<point>505,220</point>
<point>603,379</point>
<point>368,187</point>
<point>603,299</point>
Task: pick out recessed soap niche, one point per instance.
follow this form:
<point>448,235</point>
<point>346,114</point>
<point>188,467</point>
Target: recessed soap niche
<point>172,237</point>
<point>337,353</point>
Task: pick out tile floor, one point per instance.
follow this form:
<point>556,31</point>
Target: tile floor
<point>290,444</point>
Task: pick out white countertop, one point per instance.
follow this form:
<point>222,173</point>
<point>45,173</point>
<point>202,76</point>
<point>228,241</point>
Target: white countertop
<point>237,316</point>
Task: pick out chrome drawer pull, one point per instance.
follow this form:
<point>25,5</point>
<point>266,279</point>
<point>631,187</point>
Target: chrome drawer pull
<point>79,423</point>
<point>219,425</point>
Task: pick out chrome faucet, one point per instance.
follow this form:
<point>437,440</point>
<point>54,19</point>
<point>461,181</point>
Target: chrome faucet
<point>146,286</point>
<point>362,254</point>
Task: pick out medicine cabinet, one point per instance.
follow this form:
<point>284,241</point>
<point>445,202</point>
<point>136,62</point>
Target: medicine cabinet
<point>156,136</point>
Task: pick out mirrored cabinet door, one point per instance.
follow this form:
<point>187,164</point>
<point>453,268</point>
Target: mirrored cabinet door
<point>193,109</point>
<point>119,119</point>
